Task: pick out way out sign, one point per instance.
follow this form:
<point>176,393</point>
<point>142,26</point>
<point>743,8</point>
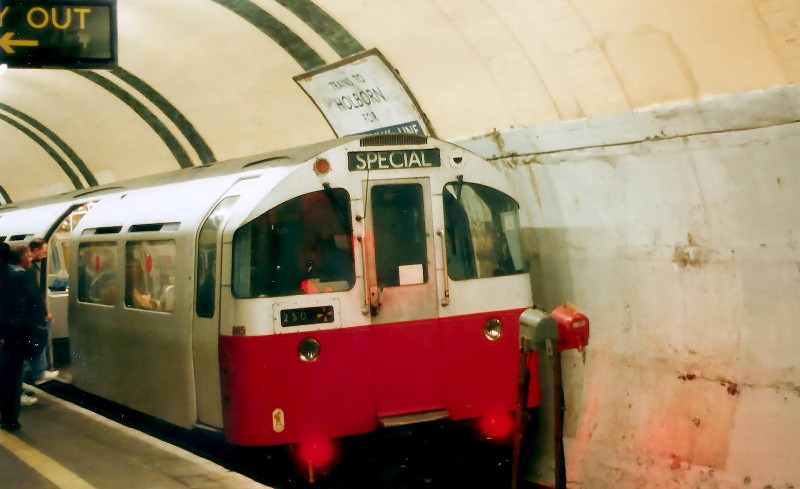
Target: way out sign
<point>58,34</point>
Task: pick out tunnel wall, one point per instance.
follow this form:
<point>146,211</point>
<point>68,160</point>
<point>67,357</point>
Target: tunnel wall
<point>676,230</point>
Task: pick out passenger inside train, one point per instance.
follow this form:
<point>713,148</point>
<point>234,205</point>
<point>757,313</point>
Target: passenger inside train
<point>97,273</point>
<point>149,275</point>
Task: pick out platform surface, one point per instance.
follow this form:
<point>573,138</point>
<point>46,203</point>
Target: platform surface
<point>63,446</point>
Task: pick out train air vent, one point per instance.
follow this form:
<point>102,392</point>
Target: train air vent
<point>201,167</point>
<point>155,227</point>
<point>96,191</point>
<point>265,160</point>
<point>18,237</point>
<point>102,230</point>
<point>393,140</point>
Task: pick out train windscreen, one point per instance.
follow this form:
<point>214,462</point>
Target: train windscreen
<point>483,232</point>
<point>302,246</point>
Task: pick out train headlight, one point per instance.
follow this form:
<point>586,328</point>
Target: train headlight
<point>309,350</point>
<point>493,329</point>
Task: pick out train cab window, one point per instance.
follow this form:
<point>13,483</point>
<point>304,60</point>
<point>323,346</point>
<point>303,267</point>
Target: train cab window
<point>97,273</point>
<point>483,232</point>
<point>400,241</point>
<point>303,246</point>
<point>207,258</point>
<point>150,275</point>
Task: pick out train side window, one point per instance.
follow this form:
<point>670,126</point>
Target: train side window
<point>205,294</point>
<point>97,273</point>
<point>398,217</point>
<point>303,246</point>
<point>483,232</point>
<point>54,257</point>
<point>150,275</point>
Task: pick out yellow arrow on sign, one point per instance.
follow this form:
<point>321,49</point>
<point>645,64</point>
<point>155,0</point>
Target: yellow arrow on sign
<point>7,44</point>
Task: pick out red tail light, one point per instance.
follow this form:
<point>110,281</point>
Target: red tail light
<point>497,426</point>
<point>318,453</point>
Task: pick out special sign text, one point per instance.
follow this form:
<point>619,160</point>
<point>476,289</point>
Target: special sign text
<point>393,160</point>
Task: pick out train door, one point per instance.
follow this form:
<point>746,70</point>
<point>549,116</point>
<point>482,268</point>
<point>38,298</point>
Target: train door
<point>205,338</point>
<point>57,296</point>
<point>57,291</point>
<point>403,295</point>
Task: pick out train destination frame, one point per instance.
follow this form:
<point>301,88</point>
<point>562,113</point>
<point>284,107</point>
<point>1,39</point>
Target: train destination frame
<point>58,34</point>
<point>363,94</point>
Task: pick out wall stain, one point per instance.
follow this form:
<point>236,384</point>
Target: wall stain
<point>688,255</point>
<point>732,387</point>
<point>497,138</point>
<point>535,187</point>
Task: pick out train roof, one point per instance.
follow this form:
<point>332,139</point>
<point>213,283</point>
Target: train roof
<point>284,157</point>
<point>23,221</point>
<point>177,196</point>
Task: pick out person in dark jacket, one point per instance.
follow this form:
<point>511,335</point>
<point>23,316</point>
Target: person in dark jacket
<point>5,251</point>
<point>21,309</point>
<point>39,369</point>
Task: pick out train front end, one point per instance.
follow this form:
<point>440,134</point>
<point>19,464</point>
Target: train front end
<point>378,284</point>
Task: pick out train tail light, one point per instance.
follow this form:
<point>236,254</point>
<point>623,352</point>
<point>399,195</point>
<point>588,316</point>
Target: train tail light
<point>316,455</point>
<point>497,427</point>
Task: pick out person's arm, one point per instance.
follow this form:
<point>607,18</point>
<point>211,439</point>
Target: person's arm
<point>144,301</point>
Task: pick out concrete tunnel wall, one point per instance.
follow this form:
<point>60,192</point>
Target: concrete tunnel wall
<point>675,230</point>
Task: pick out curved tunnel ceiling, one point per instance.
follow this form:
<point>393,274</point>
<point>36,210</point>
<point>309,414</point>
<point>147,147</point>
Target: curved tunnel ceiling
<point>206,80</point>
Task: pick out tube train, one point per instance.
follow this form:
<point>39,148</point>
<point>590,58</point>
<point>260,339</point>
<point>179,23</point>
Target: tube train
<point>300,295</point>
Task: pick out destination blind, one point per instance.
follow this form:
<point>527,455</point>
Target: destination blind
<point>396,159</point>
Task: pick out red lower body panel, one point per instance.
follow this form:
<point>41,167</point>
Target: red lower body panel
<point>366,373</point>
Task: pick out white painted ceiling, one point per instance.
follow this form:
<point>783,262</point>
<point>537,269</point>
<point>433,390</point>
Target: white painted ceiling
<point>206,80</point>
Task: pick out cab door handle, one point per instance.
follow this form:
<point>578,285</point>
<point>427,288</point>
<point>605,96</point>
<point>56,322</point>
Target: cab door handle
<point>365,290</point>
<point>446,277</point>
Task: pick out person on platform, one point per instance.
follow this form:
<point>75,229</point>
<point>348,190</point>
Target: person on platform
<point>20,315</point>
<point>39,369</point>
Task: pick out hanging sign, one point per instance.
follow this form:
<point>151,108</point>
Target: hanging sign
<point>58,34</point>
<point>363,94</point>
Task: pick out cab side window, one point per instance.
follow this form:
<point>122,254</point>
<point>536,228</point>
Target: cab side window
<point>205,293</point>
<point>303,246</point>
